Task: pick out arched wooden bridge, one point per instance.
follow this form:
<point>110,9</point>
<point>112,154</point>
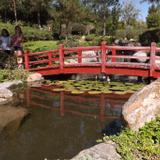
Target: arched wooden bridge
<point>109,60</point>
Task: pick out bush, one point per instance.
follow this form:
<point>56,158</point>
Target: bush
<point>144,144</point>
<point>37,46</point>
<point>17,74</point>
<point>150,36</point>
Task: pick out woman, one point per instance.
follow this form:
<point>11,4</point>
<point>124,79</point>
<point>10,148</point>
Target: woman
<point>5,41</point>
<point>16,43</point>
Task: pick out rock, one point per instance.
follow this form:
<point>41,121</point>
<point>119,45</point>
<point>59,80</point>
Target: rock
<point>9,84</point>
<point>35,77</point>
<point>70,61</point>
<point>90,56</point>
<point>11,117</point>
<point>143,106</point>
<point>102,151</point>
<point>5,96</point>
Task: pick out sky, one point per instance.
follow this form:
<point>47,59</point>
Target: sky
<point>143,7</point>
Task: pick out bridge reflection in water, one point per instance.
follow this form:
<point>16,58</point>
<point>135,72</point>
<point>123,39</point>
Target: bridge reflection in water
<point>101,106</point>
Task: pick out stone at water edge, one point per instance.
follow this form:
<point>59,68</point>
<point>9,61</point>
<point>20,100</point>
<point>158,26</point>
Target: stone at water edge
<point>9,84</point>
<point>143,106</point>
<point>5,96</point>
<point>11,117</point>
<point>102,151</point>
<point>33,77</point>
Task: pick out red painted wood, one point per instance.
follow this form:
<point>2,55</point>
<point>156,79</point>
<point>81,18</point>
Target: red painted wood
<point>113,55</point>
<point>79,56</point>
<point>50,58</point>
<point>103,56</point>
<point>152,58</point>
<point>44,60</point>
<point>61,56</point>
<point>26,60</point>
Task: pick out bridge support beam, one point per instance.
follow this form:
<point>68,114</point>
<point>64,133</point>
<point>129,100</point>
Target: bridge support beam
<point>103,56</point>
<point>61,56</point>
<point>152,58</point>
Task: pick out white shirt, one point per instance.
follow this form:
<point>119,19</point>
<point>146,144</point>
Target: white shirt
<point>5,42</point>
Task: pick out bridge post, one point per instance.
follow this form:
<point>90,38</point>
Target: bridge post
<point>152,58</point>
<point>26,60</point>
<point>61,56</point>
<point>50,58</point>
<point>103,56</point>
<point>79,55</point>
<point>113,54</point>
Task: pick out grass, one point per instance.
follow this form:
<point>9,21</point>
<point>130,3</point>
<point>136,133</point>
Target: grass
<point>144,144</point>
<point>36,46</point>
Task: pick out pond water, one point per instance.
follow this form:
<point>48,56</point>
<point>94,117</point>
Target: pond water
<point>60,124</point>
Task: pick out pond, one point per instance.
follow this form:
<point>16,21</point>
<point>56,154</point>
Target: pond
<point>60,124</point>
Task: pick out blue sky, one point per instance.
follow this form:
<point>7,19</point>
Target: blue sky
<point>143,7</point>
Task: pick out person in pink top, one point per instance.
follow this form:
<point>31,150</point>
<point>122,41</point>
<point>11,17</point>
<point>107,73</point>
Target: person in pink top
<point>16,44</point>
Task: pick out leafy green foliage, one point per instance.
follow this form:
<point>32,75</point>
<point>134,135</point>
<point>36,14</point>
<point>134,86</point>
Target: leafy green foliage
<point>30,33</point>
<point>153,18</point>
<point>36,46</point>
<point>143,144</point>
<point>17,74</point>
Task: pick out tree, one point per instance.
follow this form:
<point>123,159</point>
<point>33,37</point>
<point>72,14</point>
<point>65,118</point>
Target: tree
<point>39,6</point>
<point>115,14</point>
<point>153,18</point>
<point>101,10</point>
<point>129,13</point>
<point>67,12</point>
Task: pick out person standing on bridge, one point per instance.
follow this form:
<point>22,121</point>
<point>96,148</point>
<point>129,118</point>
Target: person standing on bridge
<point>16,44</point>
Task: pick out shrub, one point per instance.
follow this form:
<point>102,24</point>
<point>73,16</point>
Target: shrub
<point>150,36</point>
<point>144,144</point>
<point>37,46</point>
<point>17,74</point>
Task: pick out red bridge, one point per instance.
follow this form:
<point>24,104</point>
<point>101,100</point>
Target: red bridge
<point>107,59</point>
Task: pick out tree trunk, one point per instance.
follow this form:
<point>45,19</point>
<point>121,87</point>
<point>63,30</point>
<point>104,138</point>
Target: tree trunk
<point>39,19</point>
<point>5,16</point>
<point>15,10</point>
<point>104,25</point>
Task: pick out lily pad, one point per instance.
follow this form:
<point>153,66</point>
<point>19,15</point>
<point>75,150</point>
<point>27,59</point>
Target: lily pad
<point>94,92</point>
<point>58,89</point>
<point>77,92</point>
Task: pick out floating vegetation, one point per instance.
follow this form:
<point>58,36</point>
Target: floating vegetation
<point>94,87</point>
<point>77,92</point>
<point>94,92</point>
<point>58,89</point>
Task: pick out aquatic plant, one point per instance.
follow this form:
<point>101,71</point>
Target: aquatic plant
<point>94,87</point>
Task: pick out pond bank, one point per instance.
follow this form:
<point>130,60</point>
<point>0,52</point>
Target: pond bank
<point>10,117</point>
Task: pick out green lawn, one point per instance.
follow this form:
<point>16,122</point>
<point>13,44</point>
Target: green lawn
<point>36,46</point>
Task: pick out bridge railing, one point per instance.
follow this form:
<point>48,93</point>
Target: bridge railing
<point>103,56</point>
